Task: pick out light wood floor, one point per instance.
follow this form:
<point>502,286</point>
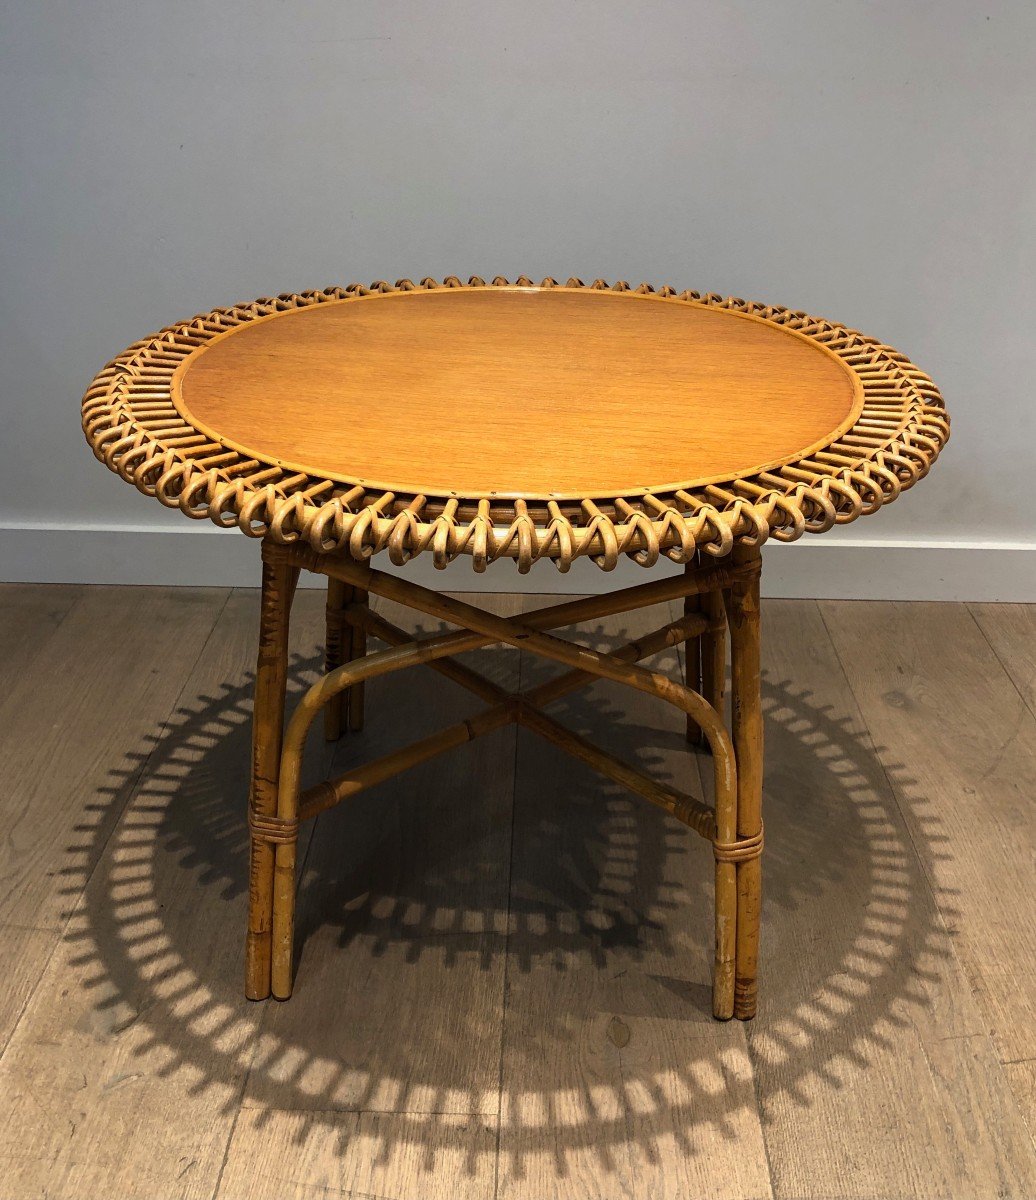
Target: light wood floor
<point>503,986</point>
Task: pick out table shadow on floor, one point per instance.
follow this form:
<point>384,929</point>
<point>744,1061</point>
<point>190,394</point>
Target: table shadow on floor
<point>412,885</point>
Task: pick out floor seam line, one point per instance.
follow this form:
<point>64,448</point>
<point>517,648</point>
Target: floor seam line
<point>1000,661</point>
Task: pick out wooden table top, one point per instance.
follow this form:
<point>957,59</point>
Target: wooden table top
<point>514,420</point>
<point>518,392</point>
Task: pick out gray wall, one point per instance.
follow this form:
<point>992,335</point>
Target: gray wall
<point>871,162</point>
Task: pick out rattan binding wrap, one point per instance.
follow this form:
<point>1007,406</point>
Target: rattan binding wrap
<point>133,427</point>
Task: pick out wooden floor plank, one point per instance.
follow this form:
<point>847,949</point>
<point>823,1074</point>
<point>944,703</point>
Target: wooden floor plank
<point>464,1026</point>
<point>402,914</point>
<point>616,1081</point>
<point>1022,1077</point>
<point>124,1075</point>
<point>346,1155</point>
<point>1010,630</point>
<point>29,615</point>
<point>60,743</point>
<point>868,1034</point>
<point>959,744</point>
<point>102,680</point>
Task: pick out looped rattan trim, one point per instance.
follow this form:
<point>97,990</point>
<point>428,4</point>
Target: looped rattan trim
<point>134,428</point>
<point>272,829</point>
<point>742,850</point>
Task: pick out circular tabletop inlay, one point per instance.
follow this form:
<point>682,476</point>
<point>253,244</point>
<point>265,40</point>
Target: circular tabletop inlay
<point>517,392</point>
<point>516,421</point>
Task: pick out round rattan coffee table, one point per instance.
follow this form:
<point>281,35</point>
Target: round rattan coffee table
<point>515,421</point>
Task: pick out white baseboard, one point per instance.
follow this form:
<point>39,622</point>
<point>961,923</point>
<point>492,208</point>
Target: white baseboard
<point>834,567</point>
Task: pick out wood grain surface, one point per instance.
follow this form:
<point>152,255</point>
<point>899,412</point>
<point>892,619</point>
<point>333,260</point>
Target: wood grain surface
<point>511,392</point>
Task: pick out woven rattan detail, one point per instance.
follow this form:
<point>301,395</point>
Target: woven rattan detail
<point>273,829</point>
<point>135,429</point>
<point>740,851</point>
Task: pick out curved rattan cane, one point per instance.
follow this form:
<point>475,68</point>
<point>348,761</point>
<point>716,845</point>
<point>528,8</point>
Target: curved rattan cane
<point>134,427</point>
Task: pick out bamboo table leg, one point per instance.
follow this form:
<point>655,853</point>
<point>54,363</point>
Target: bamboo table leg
<point>345,641</point>
<point>357,649</point>
<point>337,650</point>
<point>747,729</point>
<point>279,579</point>
<point>706,654</point>
<point>714,651</point>
<point>692,656</point>
<point>732,824</point>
